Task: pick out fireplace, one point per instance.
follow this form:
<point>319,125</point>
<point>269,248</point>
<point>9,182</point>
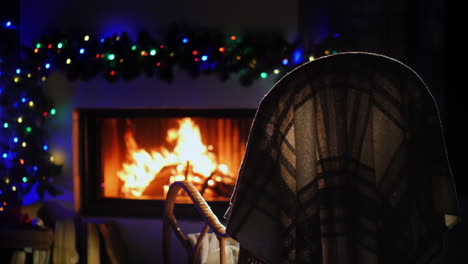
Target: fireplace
<point>126,159</point>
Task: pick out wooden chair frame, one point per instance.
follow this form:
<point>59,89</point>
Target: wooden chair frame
<point>170,223</point>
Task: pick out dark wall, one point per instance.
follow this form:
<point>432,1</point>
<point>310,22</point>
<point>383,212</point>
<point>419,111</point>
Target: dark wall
<point>9,39</point>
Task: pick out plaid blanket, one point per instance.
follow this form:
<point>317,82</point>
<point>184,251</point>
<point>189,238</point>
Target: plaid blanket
<point>345,163</point>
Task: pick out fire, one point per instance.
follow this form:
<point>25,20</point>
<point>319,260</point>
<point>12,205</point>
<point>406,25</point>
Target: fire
<point>188,155</point>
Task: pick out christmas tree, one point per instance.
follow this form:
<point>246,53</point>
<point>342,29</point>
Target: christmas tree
<point>25,161</point>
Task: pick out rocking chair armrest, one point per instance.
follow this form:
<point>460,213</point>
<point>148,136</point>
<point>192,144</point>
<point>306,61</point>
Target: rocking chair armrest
<point>199,202</point>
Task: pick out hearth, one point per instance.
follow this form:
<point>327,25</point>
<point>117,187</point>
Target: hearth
<point>125,159</point>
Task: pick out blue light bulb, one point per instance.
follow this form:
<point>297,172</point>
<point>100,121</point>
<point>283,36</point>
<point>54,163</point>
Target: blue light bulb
<point>23,99</point>
<point>8,24</point>
<point>285,62</point>
<point>5,155</point>
<point>297,56</point>
<point>18,71</point>
<point>184,40</point>
<point>204,58</point>
<point>47,65</point>
<point>82,51</point>
<point>35,168</point>
<point>15,140</point>
<point>46,147</point>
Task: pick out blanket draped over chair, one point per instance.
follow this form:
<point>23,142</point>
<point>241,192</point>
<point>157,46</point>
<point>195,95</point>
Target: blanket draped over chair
<point>345,163</point>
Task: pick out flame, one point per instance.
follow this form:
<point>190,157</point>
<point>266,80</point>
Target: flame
<point>142,166</point>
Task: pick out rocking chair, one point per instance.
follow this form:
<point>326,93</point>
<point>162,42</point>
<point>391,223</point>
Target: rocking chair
<point>345,163</point>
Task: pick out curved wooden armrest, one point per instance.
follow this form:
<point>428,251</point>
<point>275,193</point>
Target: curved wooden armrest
<point>211,221</point>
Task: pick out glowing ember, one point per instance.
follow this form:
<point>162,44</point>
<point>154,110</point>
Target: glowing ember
<point>190,158</point>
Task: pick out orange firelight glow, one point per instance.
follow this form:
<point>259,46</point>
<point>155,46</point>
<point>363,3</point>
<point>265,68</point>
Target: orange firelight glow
<point>143,166</point>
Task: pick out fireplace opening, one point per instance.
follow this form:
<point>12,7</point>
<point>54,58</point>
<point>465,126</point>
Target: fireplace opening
<point>126,159</point>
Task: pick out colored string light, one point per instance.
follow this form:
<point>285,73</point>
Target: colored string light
<point>297,57</point>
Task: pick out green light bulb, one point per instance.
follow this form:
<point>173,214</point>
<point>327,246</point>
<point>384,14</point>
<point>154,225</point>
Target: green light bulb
<point>153,52</point>
<point>110,56</point>
<point>52,111</point>
<point>60,45</point>
<point>133,47</point>
<point>263,75</point>
<point>28,129</point>
<point>38,45</point>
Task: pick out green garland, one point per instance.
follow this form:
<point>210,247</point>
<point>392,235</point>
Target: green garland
<point>198,51</point>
